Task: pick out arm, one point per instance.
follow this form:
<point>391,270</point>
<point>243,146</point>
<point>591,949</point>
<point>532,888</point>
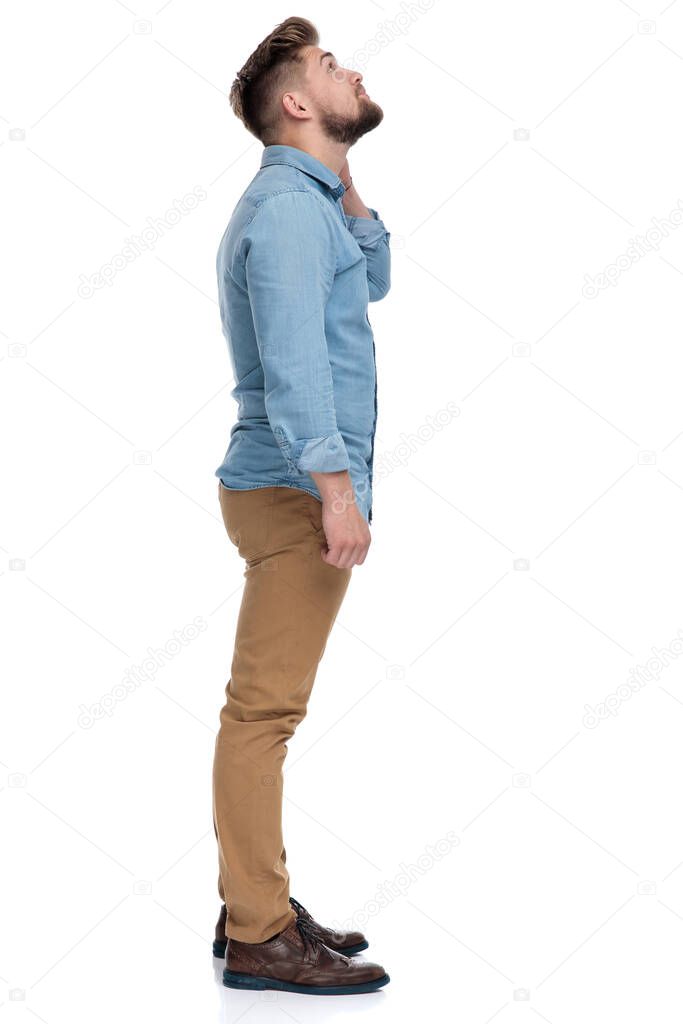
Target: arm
<point>372,236</point>
<point>290,266</point>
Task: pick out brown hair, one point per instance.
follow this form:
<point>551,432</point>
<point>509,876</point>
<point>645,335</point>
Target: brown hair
<point>274,66</point>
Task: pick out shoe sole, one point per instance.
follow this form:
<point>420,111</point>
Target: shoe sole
<point>220,947</point>
<point>251,981</point>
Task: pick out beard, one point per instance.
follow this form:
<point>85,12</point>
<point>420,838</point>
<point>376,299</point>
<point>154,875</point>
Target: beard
<point>349,130</point>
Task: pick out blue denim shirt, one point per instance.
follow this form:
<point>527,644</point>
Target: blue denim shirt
<point>295,275</point>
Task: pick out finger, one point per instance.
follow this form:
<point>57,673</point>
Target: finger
<point>349,557</point>
<point>332,557</point>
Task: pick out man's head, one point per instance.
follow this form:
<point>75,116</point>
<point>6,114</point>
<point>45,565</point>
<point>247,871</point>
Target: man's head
<point>291,89</point>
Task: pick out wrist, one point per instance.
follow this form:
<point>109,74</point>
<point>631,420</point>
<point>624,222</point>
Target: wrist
<point>335,489</point>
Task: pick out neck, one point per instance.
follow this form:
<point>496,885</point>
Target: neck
<point>332,154</point>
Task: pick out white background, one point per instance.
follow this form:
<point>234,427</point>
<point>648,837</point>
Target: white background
<point>526,554</point>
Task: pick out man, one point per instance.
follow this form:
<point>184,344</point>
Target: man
<point>299,261</point>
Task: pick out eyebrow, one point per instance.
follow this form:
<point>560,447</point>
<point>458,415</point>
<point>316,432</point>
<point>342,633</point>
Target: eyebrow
<point>328,54</point>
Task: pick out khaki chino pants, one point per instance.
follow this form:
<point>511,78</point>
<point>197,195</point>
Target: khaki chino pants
<point>290,601</point>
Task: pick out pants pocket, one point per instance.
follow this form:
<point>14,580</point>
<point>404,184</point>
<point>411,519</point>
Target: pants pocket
<point>248,517</point>
<point>313,510</point>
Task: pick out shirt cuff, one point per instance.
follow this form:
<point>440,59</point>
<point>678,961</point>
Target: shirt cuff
<point>316,454</point>
<point>323,455</point>
<point>367,231</point>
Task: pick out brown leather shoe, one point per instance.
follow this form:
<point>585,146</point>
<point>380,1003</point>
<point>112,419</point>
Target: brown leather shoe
<point>297,960</point>
<point>347,943</point>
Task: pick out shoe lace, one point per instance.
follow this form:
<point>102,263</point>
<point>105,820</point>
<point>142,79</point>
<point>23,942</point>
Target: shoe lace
<point>300,909</point>
<point>308,933</point>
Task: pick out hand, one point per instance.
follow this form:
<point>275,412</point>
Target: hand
<point>347,534</point>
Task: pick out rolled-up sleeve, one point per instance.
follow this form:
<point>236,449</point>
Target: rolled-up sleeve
<point>373,238</point>
<point>290,266</point>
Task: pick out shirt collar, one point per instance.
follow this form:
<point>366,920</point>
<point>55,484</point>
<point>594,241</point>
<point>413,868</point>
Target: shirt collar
<point>304,162</point>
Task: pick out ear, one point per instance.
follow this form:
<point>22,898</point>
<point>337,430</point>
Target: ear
<point>293,106</point>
